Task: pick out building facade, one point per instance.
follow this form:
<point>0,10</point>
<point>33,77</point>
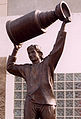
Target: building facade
<point>67,87</point>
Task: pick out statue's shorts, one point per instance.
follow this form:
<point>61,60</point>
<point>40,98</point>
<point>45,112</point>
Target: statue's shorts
<point>38,111</point>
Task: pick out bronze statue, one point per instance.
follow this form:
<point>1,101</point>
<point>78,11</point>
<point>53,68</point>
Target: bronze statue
<point>40,101</point>
<point>39,76</point>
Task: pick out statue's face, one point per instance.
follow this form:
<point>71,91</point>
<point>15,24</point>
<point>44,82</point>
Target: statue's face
<point>33,55</point>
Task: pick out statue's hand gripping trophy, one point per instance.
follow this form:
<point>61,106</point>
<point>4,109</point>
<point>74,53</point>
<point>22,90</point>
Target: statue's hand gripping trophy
<point>35,23</point>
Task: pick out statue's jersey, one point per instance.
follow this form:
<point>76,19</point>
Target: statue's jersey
<point>40,77</point>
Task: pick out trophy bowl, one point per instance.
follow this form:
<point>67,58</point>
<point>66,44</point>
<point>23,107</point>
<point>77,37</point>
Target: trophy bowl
<point>62,10</point>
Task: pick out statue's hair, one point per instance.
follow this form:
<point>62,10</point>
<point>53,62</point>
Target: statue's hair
<point>38,49</point>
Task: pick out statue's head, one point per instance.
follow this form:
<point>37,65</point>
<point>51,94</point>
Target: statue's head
<point>35,54</point>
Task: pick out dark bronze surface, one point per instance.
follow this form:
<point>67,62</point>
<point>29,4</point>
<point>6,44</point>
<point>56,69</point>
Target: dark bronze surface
<point>35,23</point>
<point>39,76</point>
<point>62,10</point>
<point>40,102</point>
<point>29,25</point>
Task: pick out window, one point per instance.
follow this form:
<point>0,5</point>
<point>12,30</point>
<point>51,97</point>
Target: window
<point>67,90</point>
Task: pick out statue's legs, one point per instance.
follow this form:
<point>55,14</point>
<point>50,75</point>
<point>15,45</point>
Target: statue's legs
<point>38,111</point>
<point>48,112</point>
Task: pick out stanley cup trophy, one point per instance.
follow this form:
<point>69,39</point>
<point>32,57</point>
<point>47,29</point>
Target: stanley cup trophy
<point>35,23</point>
